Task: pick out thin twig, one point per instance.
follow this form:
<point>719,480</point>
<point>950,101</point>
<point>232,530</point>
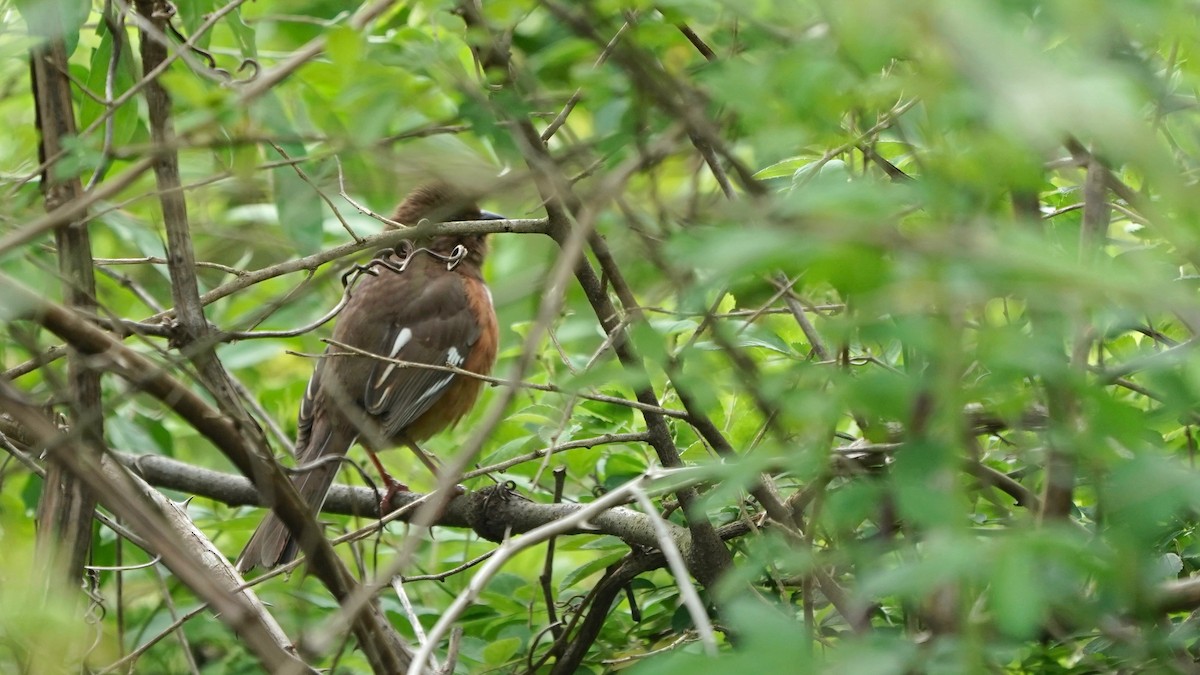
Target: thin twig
<point>497,381</point>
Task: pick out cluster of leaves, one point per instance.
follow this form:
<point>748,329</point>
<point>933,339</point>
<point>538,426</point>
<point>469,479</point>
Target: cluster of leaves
<point>927,268</point>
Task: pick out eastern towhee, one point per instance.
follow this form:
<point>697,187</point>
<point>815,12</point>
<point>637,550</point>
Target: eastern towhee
<point>427,304</point>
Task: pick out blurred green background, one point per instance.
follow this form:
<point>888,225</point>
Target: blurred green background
<point>922,169</point>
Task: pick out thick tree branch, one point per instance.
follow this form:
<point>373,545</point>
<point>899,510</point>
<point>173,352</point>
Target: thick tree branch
<point>64,535</point>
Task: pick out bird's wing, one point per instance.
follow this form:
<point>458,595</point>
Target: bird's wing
<point>304,421</point>
<point>435,326</point>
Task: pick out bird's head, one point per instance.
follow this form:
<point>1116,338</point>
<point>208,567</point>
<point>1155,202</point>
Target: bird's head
<point>441,202</point>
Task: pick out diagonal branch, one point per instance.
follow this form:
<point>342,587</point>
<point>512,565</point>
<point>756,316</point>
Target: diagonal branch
<point>710,558</point>
<point>375,635</point>
<point>117,491</point>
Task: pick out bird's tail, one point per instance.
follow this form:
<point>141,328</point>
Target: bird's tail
<point>272,543</point>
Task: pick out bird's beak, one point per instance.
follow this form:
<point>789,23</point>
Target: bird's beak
<point>488,215</point>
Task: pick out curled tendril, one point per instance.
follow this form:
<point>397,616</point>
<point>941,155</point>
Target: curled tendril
<point>397,261</point>
<point>456,256</point>
<point>253,65</point>
<point>164,9</point>
<point>168,11</point>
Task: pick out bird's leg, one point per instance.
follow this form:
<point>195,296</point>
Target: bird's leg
<point>432,464</point>
<point>426,459</point>
<point>391,485</point>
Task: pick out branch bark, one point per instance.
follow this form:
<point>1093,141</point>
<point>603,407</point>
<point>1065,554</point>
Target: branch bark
<point>64,535</point>
<point>1063,401</point>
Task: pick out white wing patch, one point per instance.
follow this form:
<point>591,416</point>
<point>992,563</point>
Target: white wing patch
<point>402,338</point>
<point>437,387</point>
<point>454,358</point>
<point>310,398</point>
<point>310,392</point>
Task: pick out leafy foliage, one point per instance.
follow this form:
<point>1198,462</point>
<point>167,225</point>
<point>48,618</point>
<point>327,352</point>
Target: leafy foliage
<point>946,313</point>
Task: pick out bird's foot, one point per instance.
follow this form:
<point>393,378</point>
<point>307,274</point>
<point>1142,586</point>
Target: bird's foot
<point>385,502</point>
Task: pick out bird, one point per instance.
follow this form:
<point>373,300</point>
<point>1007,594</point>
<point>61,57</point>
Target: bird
<point>426,304</point>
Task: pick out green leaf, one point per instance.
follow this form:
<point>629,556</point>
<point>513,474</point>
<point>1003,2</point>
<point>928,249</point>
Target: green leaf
<point>589,568</point>
<point>781,169</point>
<point>243,33</point>
<point>301,211</point>
<point>1018,603</point>
<point>126,123</point>
<point>56,19</point>
<point>499,652</point>
<point>191,15</point>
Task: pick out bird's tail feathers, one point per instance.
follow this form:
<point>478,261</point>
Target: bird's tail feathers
<point>272,543</point>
